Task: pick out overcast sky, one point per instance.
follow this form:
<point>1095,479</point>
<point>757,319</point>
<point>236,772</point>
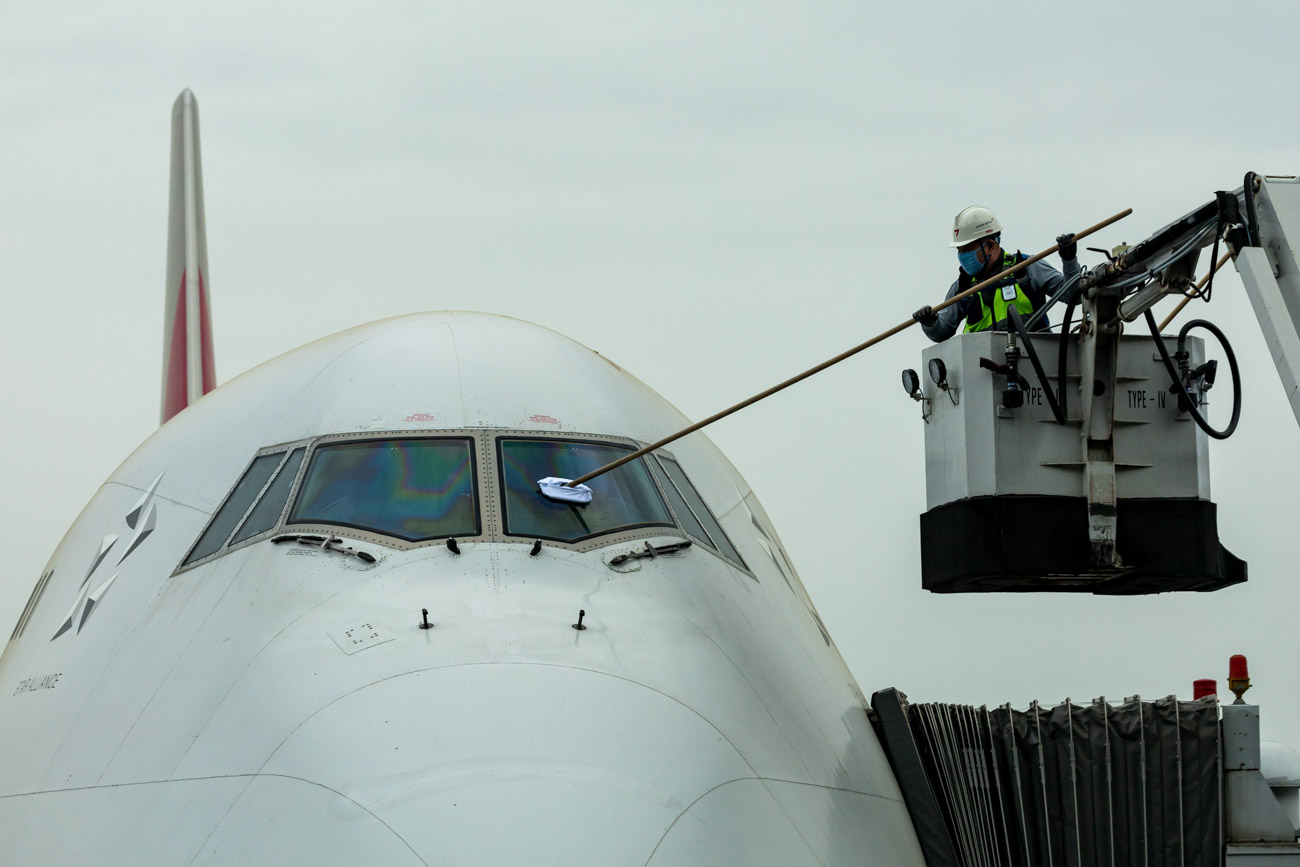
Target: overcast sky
<point>715,196</point>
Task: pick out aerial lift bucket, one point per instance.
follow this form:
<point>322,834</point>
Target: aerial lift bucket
<point>1008,487</point>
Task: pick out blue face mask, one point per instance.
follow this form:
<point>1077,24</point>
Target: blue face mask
<point>970,262</point>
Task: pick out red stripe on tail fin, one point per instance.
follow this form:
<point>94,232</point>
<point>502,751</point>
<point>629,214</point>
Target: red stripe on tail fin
<point>175,376</point>
<point>176,386</point>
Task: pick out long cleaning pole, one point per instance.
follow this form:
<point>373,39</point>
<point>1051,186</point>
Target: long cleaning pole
<point>884,335</point>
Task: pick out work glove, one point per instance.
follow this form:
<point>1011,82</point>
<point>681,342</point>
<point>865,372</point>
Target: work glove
<point>1069,248</point>
<point>926,315</point>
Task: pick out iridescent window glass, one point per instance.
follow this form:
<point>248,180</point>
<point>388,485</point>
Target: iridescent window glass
<point>414,489</point>
<point>622,499</point>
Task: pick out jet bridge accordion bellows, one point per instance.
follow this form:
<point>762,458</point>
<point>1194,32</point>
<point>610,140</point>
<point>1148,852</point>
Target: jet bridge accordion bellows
<point>1136,783</point>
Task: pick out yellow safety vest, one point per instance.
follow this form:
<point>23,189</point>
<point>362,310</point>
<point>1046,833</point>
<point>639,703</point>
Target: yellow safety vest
<point>989,319</point>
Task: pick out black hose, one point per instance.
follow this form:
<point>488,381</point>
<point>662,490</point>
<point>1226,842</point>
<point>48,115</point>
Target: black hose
<point>1252,221</point>
<point>1214,268</point>
<point>1014,315</point>
<point>1060,358</point>
<point>1177,386</point>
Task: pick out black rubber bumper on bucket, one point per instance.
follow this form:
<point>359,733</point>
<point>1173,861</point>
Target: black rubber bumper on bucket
<point>1040,544</point>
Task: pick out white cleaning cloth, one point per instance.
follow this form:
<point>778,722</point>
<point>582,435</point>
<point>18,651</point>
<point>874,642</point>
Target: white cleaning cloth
<point>558,489</point>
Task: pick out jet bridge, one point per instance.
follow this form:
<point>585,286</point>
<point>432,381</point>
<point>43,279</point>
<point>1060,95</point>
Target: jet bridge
<point>1078,460</point>
<point>1135,782</point>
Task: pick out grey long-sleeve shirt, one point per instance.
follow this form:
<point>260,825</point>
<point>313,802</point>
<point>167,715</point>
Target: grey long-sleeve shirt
<point>1042,277</point>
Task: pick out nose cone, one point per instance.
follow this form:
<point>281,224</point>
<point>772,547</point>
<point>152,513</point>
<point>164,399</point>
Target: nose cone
<point>507,764</point>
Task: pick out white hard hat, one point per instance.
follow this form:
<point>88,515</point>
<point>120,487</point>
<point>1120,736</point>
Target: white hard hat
<point>974,223</point>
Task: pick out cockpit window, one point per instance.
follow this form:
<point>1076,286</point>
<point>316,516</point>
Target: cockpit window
<point>412,488</point>
<point>716,537</point>
<point>685,516</point>
<point>228,516</point>
<point>266,514</point>
<point>419,487</point>
<point>622,499</point>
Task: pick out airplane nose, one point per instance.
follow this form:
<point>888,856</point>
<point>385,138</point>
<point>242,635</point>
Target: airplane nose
<point>501,763</point>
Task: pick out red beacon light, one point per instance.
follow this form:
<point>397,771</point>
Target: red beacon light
<point>1204,687</point>
<point>1238,676</point>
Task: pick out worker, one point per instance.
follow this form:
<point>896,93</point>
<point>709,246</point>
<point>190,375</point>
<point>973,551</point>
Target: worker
<point>977,235</point>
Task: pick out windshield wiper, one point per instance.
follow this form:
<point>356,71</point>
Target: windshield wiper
<point>650,551</point>
<point>328,543</point>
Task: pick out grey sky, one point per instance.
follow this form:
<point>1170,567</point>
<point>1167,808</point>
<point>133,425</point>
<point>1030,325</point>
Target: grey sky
<point>713,197</point>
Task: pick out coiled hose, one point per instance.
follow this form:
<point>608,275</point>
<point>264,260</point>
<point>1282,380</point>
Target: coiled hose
<point>1178,387</point>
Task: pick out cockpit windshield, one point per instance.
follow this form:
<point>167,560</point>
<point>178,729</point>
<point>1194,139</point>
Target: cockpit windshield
<point>412,488</point>
<point>622,499</point>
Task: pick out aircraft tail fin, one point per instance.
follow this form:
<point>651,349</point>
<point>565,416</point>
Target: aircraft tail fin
<point>188,368</point>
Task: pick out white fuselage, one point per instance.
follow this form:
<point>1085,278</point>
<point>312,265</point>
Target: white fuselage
<point>279,703</point>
